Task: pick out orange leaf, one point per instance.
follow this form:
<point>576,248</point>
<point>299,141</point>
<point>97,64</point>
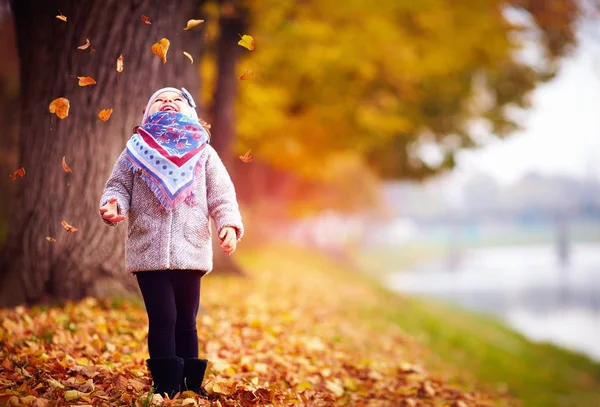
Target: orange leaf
<point>65,166</point>
<point>247,42</point>
<point>146,20</point>
<point>193,23</point>
<point>86,80</point>
<point>18,173</point>
<point>189,57</point>
<point>60,106</point>
<point>104,114</point>
<point>246,75</point>
<point>246,157</point>
<point>86,45</point>
<point>68,227</point>
<point>50,239</point>
<point>120,63</point>
<point>160,48</point>
<point>61,17</point>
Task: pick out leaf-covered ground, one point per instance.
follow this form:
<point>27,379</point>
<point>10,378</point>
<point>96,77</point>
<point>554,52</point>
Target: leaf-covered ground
<point>285,335</point>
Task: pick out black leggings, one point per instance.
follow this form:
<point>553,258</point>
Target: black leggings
<point>172,298</point>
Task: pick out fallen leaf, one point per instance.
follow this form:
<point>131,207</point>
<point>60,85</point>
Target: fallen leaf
<point>189,57</point>
<point>61,17</point>
<point>247,42</point>
<point>193,23</point>
<point>86,80</point>
<point>65,166</point>
<point>146,20</point>
<point>86,45</point>
<point>160,48</point>
<point>60,106</point>
<point>68,227</point>
<point>246,157</point>
<point>18,173</point>
<point>249,74</point>
<point>71,395</point>
<point>104,114</point>
<point>50,239</point>
<point>120,63</point>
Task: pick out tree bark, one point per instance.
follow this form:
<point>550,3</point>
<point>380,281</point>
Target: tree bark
<point>89,261</point>
<point>232,23</point>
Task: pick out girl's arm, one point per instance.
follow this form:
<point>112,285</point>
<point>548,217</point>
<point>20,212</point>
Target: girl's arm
<point>220,194</point>
<point>119,186</point>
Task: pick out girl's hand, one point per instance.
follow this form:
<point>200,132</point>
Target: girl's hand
<point>228,238</point>
<point>110,212</point>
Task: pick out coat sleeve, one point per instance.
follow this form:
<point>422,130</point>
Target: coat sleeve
<point>220,195</point>
<point>119,185</point>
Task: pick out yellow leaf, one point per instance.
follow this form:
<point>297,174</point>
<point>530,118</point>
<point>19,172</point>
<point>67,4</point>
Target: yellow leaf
<point>120,63</point>
<point>189,402</point>
<point>303,386</point>
<point>160,48</point>
<point>50,239</point>
<point>86,45</point>
<point>189,57</point>
<point>249,74</point>
<point>55,383</point>
<point>193,23</point>
<point>104,114</point>
<point>61,17</point>
<point>65,166</point>
<point>71,395</point>
<point>335,387</point>
<point>60,106</point>
<point>247,42</point>
<point>86,80</point>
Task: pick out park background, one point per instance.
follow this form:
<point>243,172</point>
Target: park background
<point>445,150</point>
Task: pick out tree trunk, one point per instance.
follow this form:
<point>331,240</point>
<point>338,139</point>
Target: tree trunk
<point>89,261</point>
<point>232,23</point>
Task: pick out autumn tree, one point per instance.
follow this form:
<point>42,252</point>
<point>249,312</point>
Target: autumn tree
<point>90,260</point>
<point>378,83</point>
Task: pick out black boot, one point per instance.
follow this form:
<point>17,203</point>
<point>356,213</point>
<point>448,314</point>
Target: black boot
<point>193,374</point>
<point>166,375</point>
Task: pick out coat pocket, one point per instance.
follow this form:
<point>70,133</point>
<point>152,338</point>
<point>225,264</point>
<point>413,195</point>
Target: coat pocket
<point>196,230</point>
<point>141,232</point>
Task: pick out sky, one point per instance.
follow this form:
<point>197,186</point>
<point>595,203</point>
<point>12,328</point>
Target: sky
<point>561,133</point>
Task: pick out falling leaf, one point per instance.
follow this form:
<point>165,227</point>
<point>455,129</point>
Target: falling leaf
<point>120,63</point>
<point>61,17</point>
<point>18,173</point>
<point>146,20</point>
<point>160,48</point>
<point>68,227</point>
<point>60,106</point>
<point>246,157</point>
<point>104,114</point>
<point>247,42</point>
<point>86,45</point>
<point>249,74</point>
<point>51,239</point>
<point>86,80</point>
<point>193,23</point>
<point>189,57</point>
<point>65,166</point>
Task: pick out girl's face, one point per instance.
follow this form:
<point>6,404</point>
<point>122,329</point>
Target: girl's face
<point>171,102</point>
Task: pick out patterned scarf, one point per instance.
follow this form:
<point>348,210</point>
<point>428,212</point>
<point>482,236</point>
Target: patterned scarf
<point>165,151</point>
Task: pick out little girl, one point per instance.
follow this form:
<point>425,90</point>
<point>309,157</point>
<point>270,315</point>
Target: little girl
<point>170,181</point>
